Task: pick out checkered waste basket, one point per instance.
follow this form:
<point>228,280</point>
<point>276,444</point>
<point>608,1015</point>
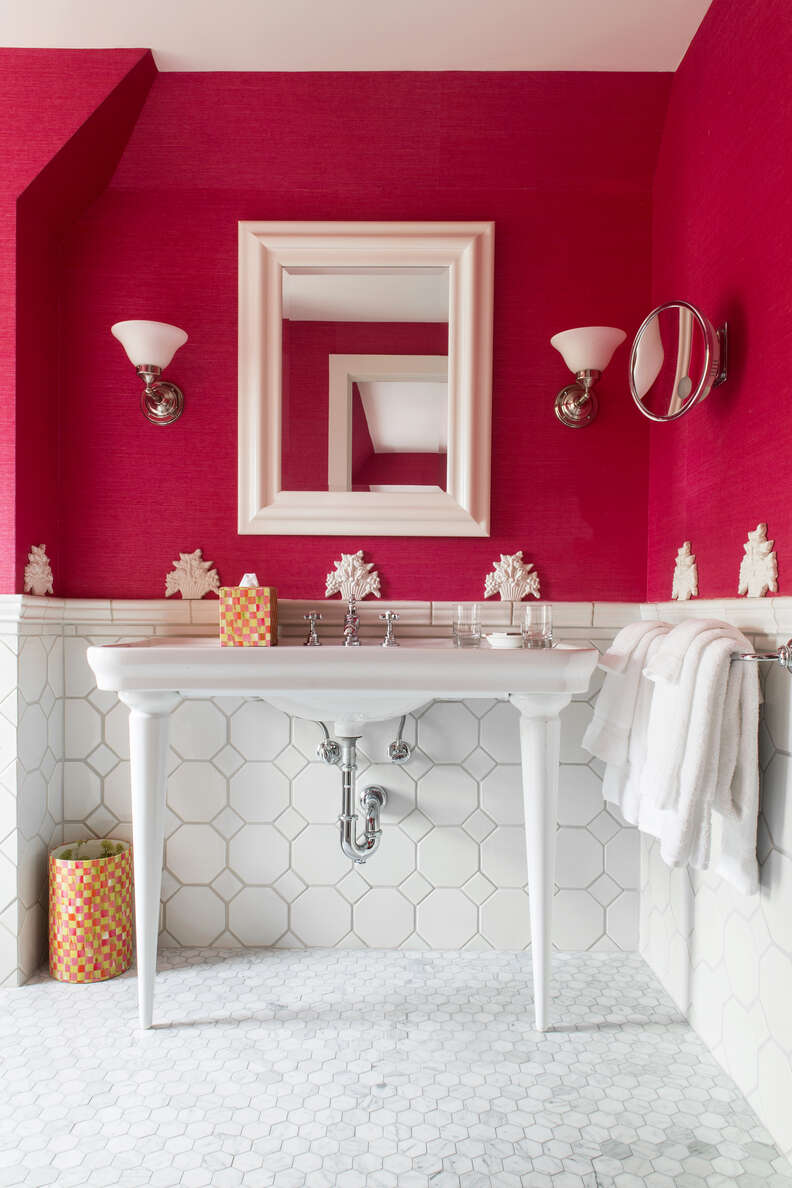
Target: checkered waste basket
<point>90,910</point>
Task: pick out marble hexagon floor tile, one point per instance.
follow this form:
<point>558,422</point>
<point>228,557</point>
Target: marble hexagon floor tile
<point>365,1069</point>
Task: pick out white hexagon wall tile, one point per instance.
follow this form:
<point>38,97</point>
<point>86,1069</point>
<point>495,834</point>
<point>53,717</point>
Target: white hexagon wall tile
<point>250,807</point>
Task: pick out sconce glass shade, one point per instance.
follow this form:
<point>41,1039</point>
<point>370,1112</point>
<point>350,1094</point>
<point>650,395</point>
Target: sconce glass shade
<point>153,343</point>
<point>588,348</point>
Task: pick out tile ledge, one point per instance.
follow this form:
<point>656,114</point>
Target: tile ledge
<point>751,614</point>
<point>771,615</point>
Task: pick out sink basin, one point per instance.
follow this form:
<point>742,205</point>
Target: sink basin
<point>346,710</point>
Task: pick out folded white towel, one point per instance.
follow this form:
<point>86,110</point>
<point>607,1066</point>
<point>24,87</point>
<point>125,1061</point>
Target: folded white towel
<point>736,861</point>
<point>687,831</point>
<point>669,660</point>
<point>625,643</point>
<point>702,756</point>
<point>670,716</point>
<point>622,785</point>
<point>608,733</point>
<point>676,724</point>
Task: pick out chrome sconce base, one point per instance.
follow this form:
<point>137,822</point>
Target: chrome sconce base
<point>576,405</point>
<point>161,402</point>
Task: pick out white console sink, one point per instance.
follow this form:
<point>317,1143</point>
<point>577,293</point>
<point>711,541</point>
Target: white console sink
<point>349,687</point>
<point>337,684</point>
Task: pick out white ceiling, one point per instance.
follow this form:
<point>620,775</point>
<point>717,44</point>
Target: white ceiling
<point>368,34</point>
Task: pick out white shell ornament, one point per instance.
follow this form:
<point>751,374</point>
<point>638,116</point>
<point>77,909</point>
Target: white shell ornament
<point>192,577</point>
<point>353,578</point>
<point>512,578</point>
<point>685,584</point>
<point>38,572</point>
<point>759,566</point>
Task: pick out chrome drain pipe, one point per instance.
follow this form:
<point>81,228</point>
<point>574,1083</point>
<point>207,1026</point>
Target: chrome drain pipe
<point>372,800</point>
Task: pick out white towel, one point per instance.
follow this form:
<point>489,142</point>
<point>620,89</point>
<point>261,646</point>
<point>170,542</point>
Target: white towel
<point>625,643</point>
<point>621,786</point>
<point>669,660</point>
<point>608,733</point>
<point>687,829</point>
<point>702,753</point>
<point>676,724</point>
<point>738,801</point>
<point>672,707</point>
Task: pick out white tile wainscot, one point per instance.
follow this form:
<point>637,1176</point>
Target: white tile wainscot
<point>250,821</point>
<point>692,933</point>
<point>726,959</point>
<point>31,784</point>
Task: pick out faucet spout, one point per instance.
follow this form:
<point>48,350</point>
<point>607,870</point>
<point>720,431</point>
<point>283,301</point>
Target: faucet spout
<point>351,625</point>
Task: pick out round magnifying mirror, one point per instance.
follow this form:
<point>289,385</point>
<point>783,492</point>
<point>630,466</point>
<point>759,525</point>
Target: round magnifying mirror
<point>677,356</point>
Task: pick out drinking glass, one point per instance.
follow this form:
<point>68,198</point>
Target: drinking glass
<point>467,625</point>
<point>537,630</point>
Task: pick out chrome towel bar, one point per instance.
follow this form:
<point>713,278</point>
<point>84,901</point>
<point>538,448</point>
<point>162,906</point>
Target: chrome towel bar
<point>783,656</point>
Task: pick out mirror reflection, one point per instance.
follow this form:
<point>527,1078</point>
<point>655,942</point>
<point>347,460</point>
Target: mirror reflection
<point>365,379</point>
<point>676,358</point>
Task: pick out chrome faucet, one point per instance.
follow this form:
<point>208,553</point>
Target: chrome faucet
<point>351,624</point>
<point>389,618</point>
<point>312,618</point>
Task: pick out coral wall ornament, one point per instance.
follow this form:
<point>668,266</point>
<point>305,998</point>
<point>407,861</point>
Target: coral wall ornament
<point>759,567</point>
<point>192,577</point>
<point>685,584</point>
<point>353,578</point>
<point>38,572</point>
<point>512,578</point>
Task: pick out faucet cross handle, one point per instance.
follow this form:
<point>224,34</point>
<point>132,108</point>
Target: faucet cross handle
<point>312,618</point>
<point>389,618</point>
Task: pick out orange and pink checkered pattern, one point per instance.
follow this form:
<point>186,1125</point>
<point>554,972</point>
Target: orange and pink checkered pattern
<point>90,917</point>
<point>248,616</point>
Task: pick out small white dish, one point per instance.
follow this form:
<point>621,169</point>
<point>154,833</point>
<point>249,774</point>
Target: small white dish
<point>505,639</point>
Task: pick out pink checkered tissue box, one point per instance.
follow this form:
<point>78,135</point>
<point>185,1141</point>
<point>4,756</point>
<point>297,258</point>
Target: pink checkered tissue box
<point>248,616</point>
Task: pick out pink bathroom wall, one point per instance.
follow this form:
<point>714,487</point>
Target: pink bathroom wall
<point>562,163</point>
<point>723,239</point>
<point>60,138</point>
<point>66,185</point>
<point>414,469</point>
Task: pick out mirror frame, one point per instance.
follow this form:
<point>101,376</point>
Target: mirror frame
<point>265,249</point>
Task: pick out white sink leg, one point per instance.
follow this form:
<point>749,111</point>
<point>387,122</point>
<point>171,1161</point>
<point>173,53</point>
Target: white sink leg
<point>148,757</point>
<point>540,732</point>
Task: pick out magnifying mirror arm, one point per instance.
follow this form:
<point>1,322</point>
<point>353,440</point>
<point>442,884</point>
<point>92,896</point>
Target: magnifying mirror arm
<point>723,371</point>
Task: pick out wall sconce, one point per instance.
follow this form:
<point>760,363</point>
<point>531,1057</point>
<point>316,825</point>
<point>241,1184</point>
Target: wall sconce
<point>150,346</point>
<point>587,351</point>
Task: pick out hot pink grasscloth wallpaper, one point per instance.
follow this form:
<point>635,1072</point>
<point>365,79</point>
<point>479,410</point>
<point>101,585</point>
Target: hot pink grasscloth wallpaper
<point>562,163</point>
<point>64,119</point>
<point>121,194</point>
<point>722,238</point>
